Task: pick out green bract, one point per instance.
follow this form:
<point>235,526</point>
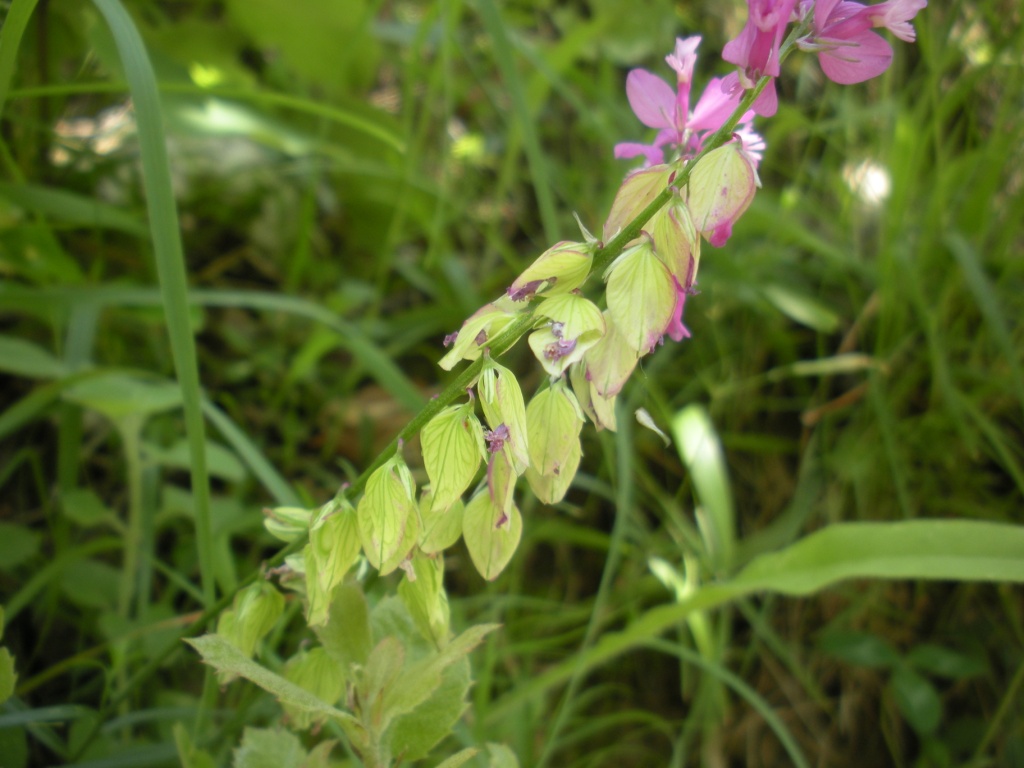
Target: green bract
<point>383,514</point>
<point>720,188</point>
<point>333,548</point>
<point>491,535</point>
<point>562,268</point>
<point>441,527</point>
<point>287,523</point>
<point>636,193</point>
<point>502,401</point>
<point>253,613</point>
<point>486,323</point>
<point>598,408</point>
<point>314,671</point>
<point>641,297</point>
<point>453,446</point>
<point>554,420</point>
<point>610,362</point>
<point>576,325</point>
<point>422,591</point>
<point>676,241</point>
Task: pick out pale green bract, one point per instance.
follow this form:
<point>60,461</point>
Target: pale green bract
<point>720,189</point>
<point>491,535</point>
<point>502,401</point>
<point>383,514</point>
<point>453,447</point>
<point>641,297</point>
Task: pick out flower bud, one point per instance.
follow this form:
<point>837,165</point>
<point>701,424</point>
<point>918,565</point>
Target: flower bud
<point>560,269</point>
<point>287,523</point>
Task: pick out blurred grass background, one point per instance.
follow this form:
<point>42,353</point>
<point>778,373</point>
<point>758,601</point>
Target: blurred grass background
<point>353,179</point>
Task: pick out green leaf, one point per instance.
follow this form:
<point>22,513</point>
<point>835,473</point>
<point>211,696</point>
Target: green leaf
<point>18,544</point>
<point>317,672</point>
<point>701,452</point>
<point>225,657</point>
<point>383,512</point>
<point>944,662</point>
<point>8,677</point>
<point>346,635</point>
<point>636,193</point>
<point>413,735</point>
<point>266,748</point>
<point>453,446</point>
<point>189,755</point>
<point>490,539</point>
<point>859,648</point>
<point>254,612</point>
<point>641,297</point>
<point>917,700</point>
<point>380,675</point>
<point>967,550</point>
<point>118,396</point>
<point>23,358</point>
<point>85,508</point>
<point>71,208</point>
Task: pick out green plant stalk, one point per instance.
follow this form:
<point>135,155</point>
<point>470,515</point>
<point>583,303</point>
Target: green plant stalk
<point>131,430</point>
<point>11,33</point>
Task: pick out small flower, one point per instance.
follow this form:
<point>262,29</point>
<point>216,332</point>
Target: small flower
<point>848,51</point>
<point>756,52</point>
<point>496,438</point>
<point>656,105</point>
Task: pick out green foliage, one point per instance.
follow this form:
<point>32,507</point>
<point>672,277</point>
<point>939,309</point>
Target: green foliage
<point>300,205</point>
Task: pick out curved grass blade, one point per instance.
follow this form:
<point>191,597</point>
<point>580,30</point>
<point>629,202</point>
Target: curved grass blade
<point>164,229</point>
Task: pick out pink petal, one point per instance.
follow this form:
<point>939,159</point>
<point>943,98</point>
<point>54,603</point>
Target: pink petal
<point>626,150</point>
<point>868,56</point>
<point>713,108</point>
<point>651,98</point>
<point>767,104</point>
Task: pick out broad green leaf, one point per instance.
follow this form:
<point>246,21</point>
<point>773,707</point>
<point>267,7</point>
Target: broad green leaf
<point>453,446</point>
<point>383,671</point>
<point>266,748</point>
<point>91,584</point>
<point>23,358</point>
<point>221,461</point>
<point>641,297</point>
<point>225,657</point>
<point>333,549</point>
<point>314,671</point>
<point>721,187</point>
<point>383,512</point>
<point>859,648</point>
<point>425,598</point>
<point>502,401</point>
<point>916,699</point>
<point>965,550</point>
<point>85,508</point>
<point>441,527</point>
<point>490,537</point>
<point>414,735</point>
<point>944,662</point>
<point>346,635</point>
<point>18,544</point>
<point>420,679</point>
<point>701,451</point>
<point>117,396</point>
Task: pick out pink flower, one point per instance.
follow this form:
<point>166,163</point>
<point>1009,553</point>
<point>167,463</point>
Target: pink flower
<point>848,51</point>
<point>656,105</point>
<point>756,51</point>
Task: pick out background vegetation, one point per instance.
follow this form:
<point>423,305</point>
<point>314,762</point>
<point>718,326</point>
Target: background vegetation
<point>353,178</point>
